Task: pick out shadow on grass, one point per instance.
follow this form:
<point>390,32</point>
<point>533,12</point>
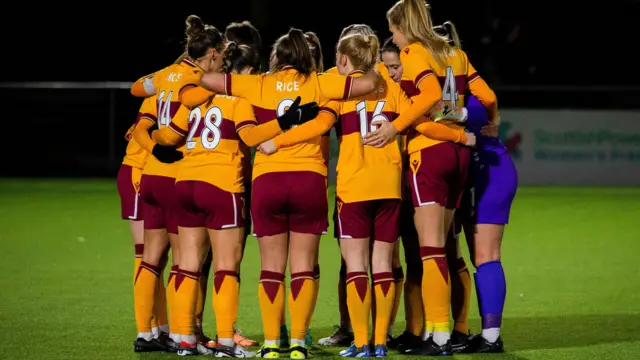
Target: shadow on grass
<point>520,334</point>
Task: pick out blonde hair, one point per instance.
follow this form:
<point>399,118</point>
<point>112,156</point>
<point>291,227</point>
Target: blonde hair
<point>448,30</point>
<point>362,50</point>
<point>412,18</point>
<point>362,29</point>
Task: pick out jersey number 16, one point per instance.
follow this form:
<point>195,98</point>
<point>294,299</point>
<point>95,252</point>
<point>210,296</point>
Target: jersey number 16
<point>366,126</point>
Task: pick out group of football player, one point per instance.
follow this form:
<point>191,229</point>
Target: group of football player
<point>419,159</point>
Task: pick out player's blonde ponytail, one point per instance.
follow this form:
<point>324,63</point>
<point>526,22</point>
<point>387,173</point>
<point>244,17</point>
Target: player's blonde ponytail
<point>361,50</point>
<point>448,30</point>
<point>412,18</point>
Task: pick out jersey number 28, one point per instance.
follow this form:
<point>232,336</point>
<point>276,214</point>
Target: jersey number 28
<point>210,135</point>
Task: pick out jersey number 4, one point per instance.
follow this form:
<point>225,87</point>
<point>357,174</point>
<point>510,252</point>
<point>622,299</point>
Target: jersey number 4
<point>210,134</point>
<point>449,91</point>
<point>366,126</point>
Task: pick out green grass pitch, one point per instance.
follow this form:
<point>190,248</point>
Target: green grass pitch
<point>570,255</point>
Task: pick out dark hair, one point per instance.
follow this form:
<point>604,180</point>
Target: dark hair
<point>316,50</point>
<point>389,46</point>
<point>201,38</point>
<point>292,50</point>
<point>244,33</point>
<point>238,57</point>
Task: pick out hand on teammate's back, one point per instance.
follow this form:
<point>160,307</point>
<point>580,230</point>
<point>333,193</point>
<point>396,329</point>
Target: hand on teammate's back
<point>298,114</point>
<point>267,147</point>
<point>385,134</point>
<point>489,130</point>
<point>166,154</point>
<point>471,139</point>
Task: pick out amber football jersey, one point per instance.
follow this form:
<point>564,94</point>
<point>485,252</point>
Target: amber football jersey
<point>365,172</point>
<point>271,95</point>
<point>168,83</point>
<point>454,76</point>
<point>213,152</point>
<point>135,155</point>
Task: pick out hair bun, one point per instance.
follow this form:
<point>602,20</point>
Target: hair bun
<point>232,47</point>
<point>195,26</point>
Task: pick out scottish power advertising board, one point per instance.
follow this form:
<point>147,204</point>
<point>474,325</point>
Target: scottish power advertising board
<point>573,147</point>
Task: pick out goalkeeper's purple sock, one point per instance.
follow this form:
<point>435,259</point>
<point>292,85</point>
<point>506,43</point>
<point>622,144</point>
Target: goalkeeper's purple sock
<point>491,287</point>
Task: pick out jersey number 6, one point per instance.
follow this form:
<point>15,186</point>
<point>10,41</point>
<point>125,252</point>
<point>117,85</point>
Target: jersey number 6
<point>210,134</point>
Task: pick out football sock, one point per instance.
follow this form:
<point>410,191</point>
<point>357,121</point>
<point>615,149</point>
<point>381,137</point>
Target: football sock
<point>436,291</point>
<point>186,285</point>
<point>301,303</point>
<point>271,297</point>
<point>359,304</point>
<point>160,304</point>
<point>413,311</point>
<point>460,295</point>
<point>202,289</point>
<point>384,289</point>
<point>316,290</point>
<point>137,260</point>
<point>225,297</point>
<point>144,297</point>
<point>171,295</point>
<point>491,288</point>
<point>398,279</point>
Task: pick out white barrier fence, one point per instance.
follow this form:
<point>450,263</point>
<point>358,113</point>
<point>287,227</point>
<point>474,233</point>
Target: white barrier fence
<point>574,147</point>
<point>559,147</point>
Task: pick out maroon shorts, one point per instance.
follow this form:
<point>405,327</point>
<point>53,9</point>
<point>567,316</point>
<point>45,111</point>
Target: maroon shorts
<point>336,233</point>
<point>289,201</point>
<point>204,205</point>
<point>128,182</point>
<point>159,203</point>
<point>374,219</point>
<point>247,208</point>
<point>440,175</point>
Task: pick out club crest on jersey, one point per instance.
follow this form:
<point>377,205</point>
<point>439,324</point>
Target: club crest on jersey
<point>415,164</point>
<point>406,51</point>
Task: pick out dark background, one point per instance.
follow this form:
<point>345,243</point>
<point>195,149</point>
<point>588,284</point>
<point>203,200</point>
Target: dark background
<point>536,54</point>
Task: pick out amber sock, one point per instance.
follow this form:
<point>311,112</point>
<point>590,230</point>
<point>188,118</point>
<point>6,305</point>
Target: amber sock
<point>271,297</point>
<point>359,304</point>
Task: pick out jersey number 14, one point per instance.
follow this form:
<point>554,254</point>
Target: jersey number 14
<point>164,108</point>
